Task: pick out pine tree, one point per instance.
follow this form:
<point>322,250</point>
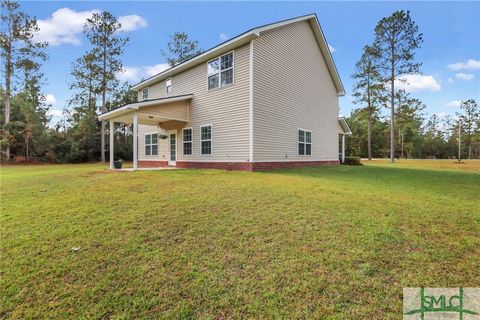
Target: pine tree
<point>368,90</point>
<point>470,121</point>
<point>396,39</point>
<point>180,48</point>
<point>103,32</point>
<point>17,46</point>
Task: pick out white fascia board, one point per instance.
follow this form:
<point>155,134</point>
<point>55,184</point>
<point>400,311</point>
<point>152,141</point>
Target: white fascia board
<point>332,68</point>
<point>284,23</point>
<point>116,112</point>
<point>345,127</point>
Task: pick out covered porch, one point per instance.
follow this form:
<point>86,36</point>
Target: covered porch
<point>163,113</point>
<point>343,130</point>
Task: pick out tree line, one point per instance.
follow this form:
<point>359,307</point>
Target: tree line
<point>407,132</point>
<point>79,136</point>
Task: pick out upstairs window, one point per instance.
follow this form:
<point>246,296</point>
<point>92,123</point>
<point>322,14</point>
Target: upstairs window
<point>304,142</point>
<point>220,71</point>
<point>187,141</point>
<point>168,85</point>
<point>206,139</point>
<point>145,94</point>
<point>151,144</point>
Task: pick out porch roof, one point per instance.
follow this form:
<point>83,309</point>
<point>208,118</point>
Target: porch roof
<point>344,127</point>
<point>145,113</point>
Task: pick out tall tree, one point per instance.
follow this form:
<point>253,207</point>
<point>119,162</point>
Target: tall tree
<point>180,48</point>
<point>86,81</point>
<point>434,137</point>
<point>409,120</point>
<point>17,46</point>
<point>396,39</point>
<point>103,31</point>
<point>368,90</point>
<point>469,119</point>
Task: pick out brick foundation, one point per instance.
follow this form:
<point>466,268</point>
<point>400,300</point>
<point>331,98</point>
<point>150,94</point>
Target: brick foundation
<point>215,165</point>
<point>152,164</point>
<point>266,166</point>
<point>255,166</point>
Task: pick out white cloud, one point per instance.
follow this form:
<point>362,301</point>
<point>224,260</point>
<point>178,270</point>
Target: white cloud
<point>65,25</point>
<point>471,64</point>
<point>224,36</point>
<point>50,99</point>
<point>417,82</point>
<point>464,76</point>
<point>453,103</point>
<point>450,80</point>
<point>137,73</point>
<point>132,22</point>
<point>55,113</point>
<point>153,70</point>
<point>332,48</point>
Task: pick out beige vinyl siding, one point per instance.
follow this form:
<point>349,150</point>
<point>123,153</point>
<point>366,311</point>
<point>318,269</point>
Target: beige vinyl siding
<point>292,90</point>
<point>225,108</point>
<point>175,110</point>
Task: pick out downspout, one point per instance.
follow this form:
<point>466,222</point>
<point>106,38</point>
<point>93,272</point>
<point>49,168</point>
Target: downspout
<point>251,102</point>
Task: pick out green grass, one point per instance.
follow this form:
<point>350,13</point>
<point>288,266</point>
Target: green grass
<point>320,243</point>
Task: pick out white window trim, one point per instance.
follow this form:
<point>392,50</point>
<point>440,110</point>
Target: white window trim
<point>171,85</point>
<point>151,144</point>
<point>305,143</point>
<point>220,71</point>
<point>143,96</point>
<point>191,141</point>
<point>211,140</point>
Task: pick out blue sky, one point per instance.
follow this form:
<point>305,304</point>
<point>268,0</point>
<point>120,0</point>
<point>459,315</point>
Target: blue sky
<point>450,53</point>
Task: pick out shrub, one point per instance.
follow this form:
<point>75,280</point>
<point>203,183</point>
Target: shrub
<point>352,161</point>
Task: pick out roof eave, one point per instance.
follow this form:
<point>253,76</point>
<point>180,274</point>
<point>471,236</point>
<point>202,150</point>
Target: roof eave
<point>323,45</point>
<point>204,57</point>
<point>246,38</point>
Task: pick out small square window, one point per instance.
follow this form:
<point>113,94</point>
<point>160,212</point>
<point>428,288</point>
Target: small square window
<point>168,85</point>
<point>145,94</point>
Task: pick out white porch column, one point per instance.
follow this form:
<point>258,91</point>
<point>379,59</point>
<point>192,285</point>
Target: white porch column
<point>343,148</point>
<point>111,143</point>
<point>135,141</point>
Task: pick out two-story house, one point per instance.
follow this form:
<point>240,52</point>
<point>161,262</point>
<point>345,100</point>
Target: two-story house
<point>265,99</point>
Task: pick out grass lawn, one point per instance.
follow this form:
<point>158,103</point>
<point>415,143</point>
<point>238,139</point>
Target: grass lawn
<point>320,243</point>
